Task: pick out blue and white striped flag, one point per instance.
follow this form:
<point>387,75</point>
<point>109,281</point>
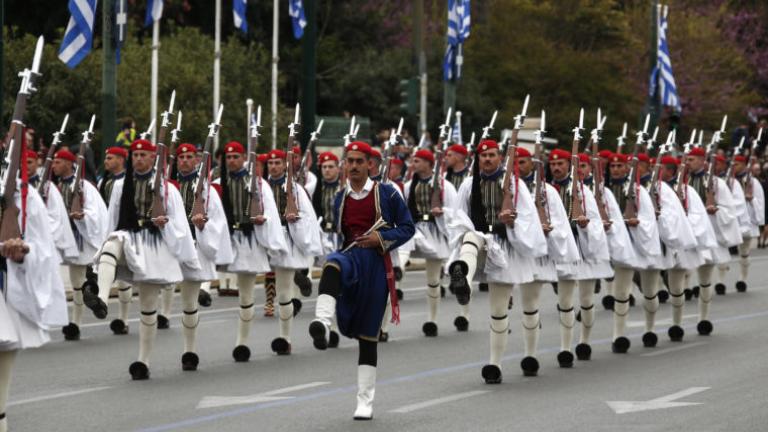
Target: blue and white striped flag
<point>78,38</point>
<point>662,73</point>
<point>238,10</point>
<point>154,12</point>
<point>121,24</point>
<point>296,11</point>
<point>456,132</point>
<point>458,31</point>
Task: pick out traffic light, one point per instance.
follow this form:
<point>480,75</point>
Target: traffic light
<point>409,95</point>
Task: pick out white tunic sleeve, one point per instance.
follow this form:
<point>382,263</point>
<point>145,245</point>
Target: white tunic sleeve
<point>270,234</point>
<point>113,210</point>
<point>674,229</point>
<point>58,220</point>
<point>213,239</point>
<point>757,205</point>
<point>176,233</point>
<point>592,239</point>
<point>93,226</point>
<point>619,243</point>
<point>305,231</point>
<point>645,235</point>
<point>561,246</point>
<point>526,236</point>
<point>700,221</point>
<point>725,220</point>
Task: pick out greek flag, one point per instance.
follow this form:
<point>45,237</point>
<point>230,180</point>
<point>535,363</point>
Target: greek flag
<point>296,11</point>
<point>238,10</point>
<point>458,32</point>
<point>78,38</point>
<point>456,132</point>
<point>662,73</point>
<point>154,12</point>
<point>121,21</point>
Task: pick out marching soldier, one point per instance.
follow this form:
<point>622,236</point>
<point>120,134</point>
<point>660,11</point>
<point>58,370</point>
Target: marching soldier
<point>496,240</point>
<point>432,237</point>
<point>89,225</point>
<point>253,237</point>
<point>722,209</point>
<point>209,229</point>
<point>752,220</point>
<point>143,250</point>
<point>644,235</point>
<point>742,213</point>
<point>300,228</point>
<point>114,171</point>
<point>372,219</point>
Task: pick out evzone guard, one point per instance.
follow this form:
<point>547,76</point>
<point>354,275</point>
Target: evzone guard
<point>208,225</point>
<point>31,300</point>
<point>372,219</point>
<point>87,216</point>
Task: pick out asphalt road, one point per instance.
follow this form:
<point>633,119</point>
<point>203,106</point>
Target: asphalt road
<point>712,383</point>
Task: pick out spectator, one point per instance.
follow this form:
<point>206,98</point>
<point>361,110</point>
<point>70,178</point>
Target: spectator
<point>126,136</point>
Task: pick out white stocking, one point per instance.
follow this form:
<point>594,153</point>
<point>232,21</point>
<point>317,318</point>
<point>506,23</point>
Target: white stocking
<point>676,295</point>
<point>190,318</point>
<point>649,281</point>
<point>6,364</point>
<point>125,295</point>
<point>529,297</point>
<point>705,290</point>
<point>744,249</point>
<point>77,278</point>
<point>246,286</point>
<point>149,296</point>
<point>565,293</point>
<point>111,255</point>
<point>622,286</point>
<point>167,300</point>
<point>499,299</point>
<point>285,295</point>
<point>587,303</point>
<point>433,288</point>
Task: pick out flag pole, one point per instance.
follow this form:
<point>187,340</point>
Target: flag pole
<point>275,59</point>
<point>153,96</point>
<point>108,82</point>
<point>217,68</point>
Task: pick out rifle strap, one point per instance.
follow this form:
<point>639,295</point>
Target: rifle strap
<point>24,192</point>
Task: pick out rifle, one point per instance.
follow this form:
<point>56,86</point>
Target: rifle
<point>471,151</point>
<point>158,176</point>
<point>304,166</point>
<point>711,200</point>
<point>508,203</point>
<point>42,188</point>
<point>653,190</point>
<point>437,175</point>
<point>598,183</point>
<point>682,175</point>
<point>577,201</point>
<point>748,189</point>
<point>730,174</point>
<point>422,144</point>
<point>199,202</point>
<point>539,194</point>
<point>290,196</point>
<point>9,225</point>
<point>77,199</point>
<point>485,135</point>
<point>347,139</point>
<point>394,136</point>
<point>256,201</point>
<point>630,190</point>
<point>172,150</point>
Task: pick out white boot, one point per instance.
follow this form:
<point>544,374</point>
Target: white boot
<point>366,387</point>
<point>320,327</point>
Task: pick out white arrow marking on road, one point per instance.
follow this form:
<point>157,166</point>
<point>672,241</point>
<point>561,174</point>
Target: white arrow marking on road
<point>433,402</point>
<point>56,396</point>
<point>623,407</point>
<point>220,401</point>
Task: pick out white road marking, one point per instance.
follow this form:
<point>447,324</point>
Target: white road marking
<point>220,401</point>
<point>56,396</point>
<point>438,401</point>
<point>623,407</point>
<point>673,349</point>
<point>662,322</point>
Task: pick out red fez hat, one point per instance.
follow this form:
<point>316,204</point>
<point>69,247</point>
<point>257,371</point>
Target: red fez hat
<point>605,154</point>
<point>523,152</point>
<point>720,158</point>
<point>142,144</point>
<point>426,155</point>
<point>262,158</point>
<point>458,148</point>
<point>276,154</point>
<point>643,157</point>
<point>486,145</point>
<point>670,160</point>
<point>65,154</point>
<point>396,161</point>
<point>583,158</point>
<point>620,158</point>
<point>559,154</point>
<point>30,154</point>
<point>117,151</point>
<point>186,148</point>
<point>234,147</point>
<point>697,151</point>
<point>296,150</point>
<point>327,156</point>
<point>740,158</point>
<point>375,153</point>
<point>359,146</point>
